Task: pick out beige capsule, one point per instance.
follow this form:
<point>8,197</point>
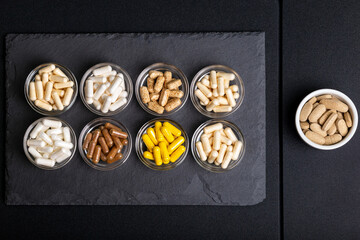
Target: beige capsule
<point>67,97</point>
<point>150,84</point>
<point>329,121</point>
<point>212,104</point>
<point>332,130</point>
<point>323,118</point>
<point>154,96</point>
<point>176,94</point>
<point>317,113</point>
<point>144,94</point>
<point>174,84</point>
<point>154,106</point>
<point>213,79</point>
<point>172,104</point>
<point>57,100</point>
<point>47,69</point>
<point>48,90</point>
<point>312,100</point>
<point>199,94</point>
<point>305,111</point>
<point>341,127</point>
<point>168,76</point>
<point>222,109</point>
<point>315,137</point>
<point>340,115</point>
<point>44,78</point>
<point>317,128</point>
<point>304,125</point>
<point>159,84</point>
<point>154,74</point>
<point>39,90</point>
<point>329,140</point>
<point>204,89</point>
<point>323,97</point>
<point>32,91</point>
<point>348,119</point>
<point>223,100</point>
<point>43,105</point>
<point>57,78</point>
<point>57,71</point>
<point>63,85</point>
<point>335,104</point>
<point>315,104</point>
<point>164,97</point>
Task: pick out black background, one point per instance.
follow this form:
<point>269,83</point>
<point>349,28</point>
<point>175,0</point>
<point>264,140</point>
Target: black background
<point>313,194</point>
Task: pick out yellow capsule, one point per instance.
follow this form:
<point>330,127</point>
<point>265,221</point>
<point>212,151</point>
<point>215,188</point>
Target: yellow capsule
<point>149,144</point>
<point>151,133</point>
<point>157,156</point>
<point>176,132</point>
<point>175,144</point>
<point>175,155</point>
<point>148,155</point>
<point>159,136</point>
<point>164,152</point>
<point>167,134</point>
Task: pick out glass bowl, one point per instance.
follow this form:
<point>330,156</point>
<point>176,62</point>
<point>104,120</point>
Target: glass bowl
<point>31,77</point>
<point>104,166</point>
<point>140,146</point>
<point>198,77</point>
<point>210,166</point>
<point>128,85</point>
<point>57,165</point>
<point>176,73</point>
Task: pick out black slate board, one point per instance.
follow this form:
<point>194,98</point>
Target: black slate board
<point>133,183</point>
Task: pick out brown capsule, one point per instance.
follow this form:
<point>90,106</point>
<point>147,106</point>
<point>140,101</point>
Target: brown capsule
<point>159,84</point>
<point>164,97</point>
<point>112,153</point>
<point>91,150</point>
<point>117,142</point>
<point>176,94</point>
<point>103,157</point>
<point>96,156</point>
<point>154,96</point>
<point>96,135</point>
<point>117,157</point>
<point>103,144</point>
<point>172,104</point>
<point>124,142</point>
<point>144,94</point>
<point>87,141</point>
<point>154,106</point>
<point>107,137</point>
<point>154,74</point>
<point>101,128</point>
<point>110,126</point>
<point>117,133</point>
<point>168,76</point>
<point>172,85</point>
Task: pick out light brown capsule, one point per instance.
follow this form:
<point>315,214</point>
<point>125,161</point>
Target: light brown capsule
<point>103,156</point>
<point>154,106</point>
<point>341,127</point>
<point>329,121</point>
<point>95,135</point>
<point>176,94</point>
<point>117,142</point>
<point>335,104</point>
<point>168,76</point>
<point>315,104</point>
<point>348,119</point>
<point>340,115</point>
<point>159,84</point>
<point>144,94</point>
<point>317,129</point>
<point>96,156</point>
<point>173,84</point>
<point>117,157</point>
<point>312,100</point>
<point>91,150</point>
<point>117,133</point>
<point>329,140</point>
<point>172,104</point>
<point>124,142</point>
<point>107,137</point>
<point>112,153</point>
<point>317,113</point>
<point>315,137</point>
<point>305,111</point>
<point>332,130</point>
<point>323,118</point>
<point>154,96</point>
<point>323,97</point>
<point>101,128</point>
<point>164,97</point>
<point>305,130</point>
<point>304,125</point>
<point>150,84</point>
<point>103,144</point>
<point>154,74</point>
<point>110,126</point>
<point>87,141</point>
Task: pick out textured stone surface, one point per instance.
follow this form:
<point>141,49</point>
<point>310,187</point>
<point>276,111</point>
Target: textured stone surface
<point>133,183</point>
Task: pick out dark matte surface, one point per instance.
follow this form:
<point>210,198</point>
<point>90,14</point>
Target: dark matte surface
<point>321,188</point>
<point>133,183</point>
<point>257,222</point>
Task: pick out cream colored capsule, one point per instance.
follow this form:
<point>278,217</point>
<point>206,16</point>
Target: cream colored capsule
<point>204,89</point>
<point>64,85</point>
<point>59,79</point>
<point>236,95</point>
<point>215,92</point>
<point>212,104</point>
<point>39,90</point>
<point>234,88</point>
<point>222,151</point>
<point>45,162</point>
<point>222,109</point>
<point>44,79</point>
<point>67,97</point>
<point>217,140</point>
<point>223,101</point>
<point>229,76</point>
<point>227,158</point>
<point>225,140</point>
<point>89,88</point>
<point>213,128</point>
<point>201,97</point>
<point>230,97</point>
<point>48,90</point>
<point>57,101</point>
<point>205,82</point>
<point>213,80</point>
<point>206,144</point>
<point>60,92</point>
<point>226,83</point>
<point>43,105</point>
<point>212,156</point>
<point>221,86</point>
<point>102,70</point>
<point>200,150</point>
<point>237,149</point>
<point>37,77</point>
<point>57,71</point>
<point>32,91</point>
<point>230,134</point>
<point>47,69</point>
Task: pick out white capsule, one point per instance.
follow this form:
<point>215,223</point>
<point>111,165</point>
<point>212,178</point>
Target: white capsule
<point>124,94</point>
<point>57,153</point>
<point>222,151</point>
<point>45,155</point>
<point>108,74</point>
<point>213,127</point>
<point>204,89</point>
<point>114,85</point>
<point>102,70</point>
<point>230,134</point>
<point>234,88</point>
<point>97,104</point>
<point>229,76</point>
<point>116,94</point>
<point>35,143</point>
<point>221,86</point>
<point>119,103</point>
<point>236,151</point>
<point>46,138</point>
<point>201,97</point>
<point>200,150</point>
<point>34,152</point>
<point>230,97</point>
<point>106,105</point>
<point>96,86</point>
<point>206,144</point>
<point>100,91</point>
<point>89,88</point>
<point>46,149</point>
<point>217,140</point>
<point>45,162</point>
<point>66,132</point>
<point>212,104</point>
<point>213,80</point>
<point>97,79</point>
<point>54,131</point>
<point>65,155</point>
<point>63,144</point>
<point>56,137</point>
<point>213,155</point>
<point>227,158</point>
<point>51,123</point>
<point>111,78</point>
<point>89,100</point>
<point>39,127</point>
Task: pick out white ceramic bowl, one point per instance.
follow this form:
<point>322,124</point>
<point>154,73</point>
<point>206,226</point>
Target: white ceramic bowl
<point>352,110</point>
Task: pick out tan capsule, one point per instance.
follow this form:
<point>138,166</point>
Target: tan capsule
<point>222,109</point>
<point>57,71</point>
<point>305,111</point>
<point>335,104</point>
<point>37,77</point>
<point>212,156</point>
<point>340,115</point>
<point>57,101</point>
<point>205,82</point>
<point>206,144</point>
<point>212,104</point>
<point>44,79</point>
<point>150,84</point>
<point>159,84</point>
<point>304,125</point>
<point>154,106</point>
<point>64,85</point>
<point>39,90</point>
<point>323,118</point>
<point>348,119</point>
<point>204,89</point>
<point>201,97</point>
<point>341,127</point>
<point>323,97</point>
<point>312,100</point>
<point>32,91</point>
<point>67,97</point>
<point>154,96</point>
<point>59,79</point>
<point>329,140</point>
<point>172,104</point>
<point>200,150</point>
<point>332,130</point>
<point>164,97</point>
<point>227,158</point>
<point>176,94</point>
<point>174,84</point>
<point>154,74</point>
<point>315,105</point>
<point>48,90</point>
<point>47,69</point>
<point>329,121</point>
<point>315,137</point>
<point>223,101</point>
<point>213,79</point>
<point>168,76</point>
<point>305,130</point>
<point>317,128</point>
<point>317,113</point>
<point>43,105</point>
<point>144,94</point>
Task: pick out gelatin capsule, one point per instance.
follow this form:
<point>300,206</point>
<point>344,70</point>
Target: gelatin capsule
<point>164,153</point>
<point>175,131</point>
<point>167,134</point>
<point>148,155</point>
<point>175,144</point>
<point>149,144</point>
<point>151,133</point>
<point>178,152</point>
<point>159,136</point>
<point>157,156</point>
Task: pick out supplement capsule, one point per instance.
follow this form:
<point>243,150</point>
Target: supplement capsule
<point>151,133</point>
<point>175,131</point>
<point>159,136</point>
<point>96,156</point>
<point>230,134</point>
<point>157,156</point>
<point>51,123</point>
<point>46,138</point>
<point>230,97</point>
<point>117,133</point>
<point>67,96</point>
<point>63,144</point>
<point>164,153</point>
<point>119,103</point>
<point>222,109</point>
<point>221,155</point>
<point>217,140</point>
<point>213,155</point>
<point>149,144</point>
<point>167,134</point>
<point>103,145</point>
<point>221,86</point>
<point>227,158</point>
<point>213,80</point>
<point>178,152</point>
<point>204,89</point>
<point>39,127</point>
<point>32,91</point>
<point>34,152</point>
<point>236,151</point>
<point>45,162</point>
<point>108,138</point>
<point>148,155</point>
<point>200,150</point>
<point>102,70</point>
<point>111,155</point>
<point>35,143</point>
<point>206,143</point>
<point>87,141</point>
<point>43,105</point>
<point>213,127</point>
